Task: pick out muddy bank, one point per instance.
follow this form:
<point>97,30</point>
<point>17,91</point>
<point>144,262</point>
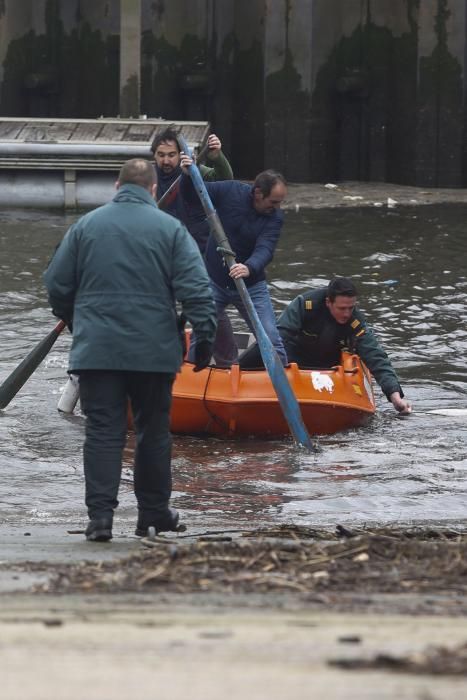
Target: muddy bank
<point>417,571</point>
<point>367,194</point>
<point>255,614</point>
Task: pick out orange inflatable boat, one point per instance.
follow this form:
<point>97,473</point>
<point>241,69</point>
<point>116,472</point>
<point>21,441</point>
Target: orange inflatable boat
<point>233,402</point>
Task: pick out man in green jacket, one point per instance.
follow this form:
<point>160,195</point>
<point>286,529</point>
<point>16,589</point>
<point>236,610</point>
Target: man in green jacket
<point>318,325</point>
<point>116,277</point>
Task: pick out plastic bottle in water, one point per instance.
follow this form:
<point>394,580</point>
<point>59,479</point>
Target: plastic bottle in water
<point>70,395</point>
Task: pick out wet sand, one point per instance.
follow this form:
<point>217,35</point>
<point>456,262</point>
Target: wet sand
<point>73,647</point>
<point>95,638</point>
<point>243,616</point>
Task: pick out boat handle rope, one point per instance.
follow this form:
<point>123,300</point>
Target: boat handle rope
<point>214,418</point>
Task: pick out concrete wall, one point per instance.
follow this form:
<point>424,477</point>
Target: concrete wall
<point>320,89</point>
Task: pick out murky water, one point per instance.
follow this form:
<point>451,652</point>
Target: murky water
<point>410,268</point>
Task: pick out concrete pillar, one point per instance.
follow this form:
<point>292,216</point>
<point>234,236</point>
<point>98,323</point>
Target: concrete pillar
<point>130,57</point>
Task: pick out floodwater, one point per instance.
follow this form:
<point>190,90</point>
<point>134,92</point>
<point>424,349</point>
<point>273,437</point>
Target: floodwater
<point>409,264</point>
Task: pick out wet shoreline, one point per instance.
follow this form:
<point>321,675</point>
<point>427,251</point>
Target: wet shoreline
<point>369,608</point>
<point>367,194</point>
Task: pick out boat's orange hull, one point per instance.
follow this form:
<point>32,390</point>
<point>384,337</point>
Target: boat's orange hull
<point>229,402</point>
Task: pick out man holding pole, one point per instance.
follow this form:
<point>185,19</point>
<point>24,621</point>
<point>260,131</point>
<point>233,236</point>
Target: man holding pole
<point>166,152</point>
<point>252,221</point>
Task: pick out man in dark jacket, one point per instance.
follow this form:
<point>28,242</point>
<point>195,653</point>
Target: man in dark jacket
<point>318,325</point>
<point>116,276</point>
<point>167,163</point>
<point>166,152</point>
<point>252,221</point>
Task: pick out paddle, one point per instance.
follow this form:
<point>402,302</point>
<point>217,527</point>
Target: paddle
<point>21,374</point>
<point>287,399</point>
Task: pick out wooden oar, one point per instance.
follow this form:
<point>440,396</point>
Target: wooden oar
<point>287,399</point>
<point>21,374</point>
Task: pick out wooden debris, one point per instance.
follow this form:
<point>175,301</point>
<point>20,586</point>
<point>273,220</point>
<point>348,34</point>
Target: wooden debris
<point>288,558</point>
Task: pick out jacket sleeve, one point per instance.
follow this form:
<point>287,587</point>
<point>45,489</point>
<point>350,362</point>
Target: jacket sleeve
<point>219,170</point>
<point>265,245</point>
<point>290,321</point>
<point>191,286</point>
<point>60,278</point>
<point>376,359</point>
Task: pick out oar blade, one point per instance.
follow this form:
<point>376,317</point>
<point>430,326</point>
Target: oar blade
<point>287,398</point>
<point>31,362</point>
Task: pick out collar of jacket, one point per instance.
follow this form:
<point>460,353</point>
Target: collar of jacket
<point>167,178</point>
<point>134,193</point>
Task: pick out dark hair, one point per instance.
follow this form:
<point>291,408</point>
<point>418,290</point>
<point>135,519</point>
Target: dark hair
<point>168,134</point>
<point>341,286</point>
<point>138,171</point>
<point>266,180</point>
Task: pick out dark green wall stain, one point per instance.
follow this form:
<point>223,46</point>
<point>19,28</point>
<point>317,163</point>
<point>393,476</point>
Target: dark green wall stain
<point>441,110</point>
<point>176,82</point>
<point>129,98</point>
<point>248,115</point>
<point>371,117</point>
<point>287,131</point>
<point>160,76</point>
<point>59,74</point>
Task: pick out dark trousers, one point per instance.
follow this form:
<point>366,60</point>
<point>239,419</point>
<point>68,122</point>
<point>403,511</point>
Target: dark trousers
<point>104,400</point>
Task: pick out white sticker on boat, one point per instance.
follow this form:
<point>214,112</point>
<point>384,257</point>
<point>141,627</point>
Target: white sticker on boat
<point>367,386</point>
<point>322,382</point>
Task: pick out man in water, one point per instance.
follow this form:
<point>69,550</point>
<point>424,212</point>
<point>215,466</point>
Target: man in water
<point>318,325</point>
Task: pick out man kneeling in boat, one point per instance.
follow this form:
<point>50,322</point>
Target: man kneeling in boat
<point>318,325</point>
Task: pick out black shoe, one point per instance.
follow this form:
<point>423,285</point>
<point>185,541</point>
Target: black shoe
<point>165,523</point>
<point>99,530</point>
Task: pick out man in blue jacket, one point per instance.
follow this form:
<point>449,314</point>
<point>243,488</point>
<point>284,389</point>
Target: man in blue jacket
<point>116,277</point>
<point>252,221</point>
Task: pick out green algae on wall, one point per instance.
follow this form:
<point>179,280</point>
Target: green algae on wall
<point>380,112</point>
<point>363,107</point>
<point>59,74</point>
<point>176,82</point>
<point>248,115</point>
<point>440,111</point>
<point>287,127</point>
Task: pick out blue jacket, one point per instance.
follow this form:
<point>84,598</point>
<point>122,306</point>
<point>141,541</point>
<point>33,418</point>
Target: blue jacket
<point>117,274</point>
<point>252,236</point>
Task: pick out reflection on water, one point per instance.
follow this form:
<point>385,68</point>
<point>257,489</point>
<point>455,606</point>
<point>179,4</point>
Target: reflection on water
<point>409,266</point>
